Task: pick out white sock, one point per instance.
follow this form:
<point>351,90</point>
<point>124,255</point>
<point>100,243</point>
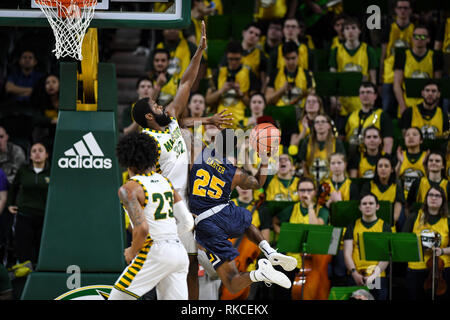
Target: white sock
<point>266,248</point>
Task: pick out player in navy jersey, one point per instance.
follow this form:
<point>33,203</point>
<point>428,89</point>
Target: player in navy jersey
<point>213,176</point>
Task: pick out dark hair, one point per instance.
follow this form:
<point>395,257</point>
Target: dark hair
<point>258,94</point>
<point>421,26</point>
<point>306,179</point>
<point>430,82</point>
<point>289,47</point>
<point>234,47</point>
<point>368,84</point>
<point>418,129</point>
<point>392,175</point>
<point>254,25</point>
<point>338,17</point>
<point>443,210</point>
<point>368,194</point>
<point>372,127</point>
<point>46,147</point>
<point>351,21</point>
<point>397,1</point>
<point>443,162</point>
<point>39,96</point>
<point>291,159</point>
<point>291,18</point>
<point>145,78</point>
<point>192,94</point>
<point>161,50</point>
<point>140,109</point>
<point>278,22</point>
<point>138,151</point>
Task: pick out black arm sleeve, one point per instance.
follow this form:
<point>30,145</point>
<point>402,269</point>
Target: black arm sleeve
<point>399,60</point>
<point>349,232</point>
<point>405,120</point>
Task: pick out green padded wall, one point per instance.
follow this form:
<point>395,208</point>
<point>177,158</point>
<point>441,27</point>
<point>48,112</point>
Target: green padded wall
<point>84,222</point>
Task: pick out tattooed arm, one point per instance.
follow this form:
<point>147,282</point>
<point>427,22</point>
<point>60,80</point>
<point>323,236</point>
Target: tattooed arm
<point>132,197</point>
<point>246,181</point>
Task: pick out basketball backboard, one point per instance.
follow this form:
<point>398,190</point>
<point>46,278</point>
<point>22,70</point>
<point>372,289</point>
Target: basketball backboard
<point>161,14</point>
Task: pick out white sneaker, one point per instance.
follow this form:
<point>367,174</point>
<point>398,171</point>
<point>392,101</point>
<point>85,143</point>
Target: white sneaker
<point>286,262</point>
<point>268,274</point>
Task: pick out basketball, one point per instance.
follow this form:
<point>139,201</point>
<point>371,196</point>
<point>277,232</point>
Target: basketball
<point>265,137</point>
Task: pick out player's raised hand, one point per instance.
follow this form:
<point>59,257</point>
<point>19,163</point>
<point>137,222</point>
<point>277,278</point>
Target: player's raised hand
<point>202,44</point>
<point>222,119</point>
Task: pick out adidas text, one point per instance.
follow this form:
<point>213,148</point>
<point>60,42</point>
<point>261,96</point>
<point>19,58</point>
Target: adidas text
<point>85,162</point>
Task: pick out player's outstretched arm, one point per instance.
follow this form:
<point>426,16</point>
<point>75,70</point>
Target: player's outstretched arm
<point>185,221</point>
<point>131,195</point>
<point>176,107</point>
<point>220,120</point>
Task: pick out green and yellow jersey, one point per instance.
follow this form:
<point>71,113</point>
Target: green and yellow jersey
<point>426,232</point>
<point>354,232</point>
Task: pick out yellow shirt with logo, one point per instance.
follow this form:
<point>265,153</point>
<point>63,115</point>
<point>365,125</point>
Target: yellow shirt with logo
<point>363,266</point>
<point>358,62</point>
<point>417,69</point>
<point>298,217</point>
<point>276,191</point>
<point>424,232</point>
<point>253,60</point>
<point>355,124</point>
<point>230,100</point>
<point>300,87</point>
<point>425,185</point>
<point>179,58</point>
<point>303,59</point>
<point>388,195</point>
<point>168,90</point>
<point>344,188</point>
<point>398,38</point>
<point>276,10</point>
<point>365,169</point>
<point>410,171</point>
<point>430,127</point>
<point>319,157</point>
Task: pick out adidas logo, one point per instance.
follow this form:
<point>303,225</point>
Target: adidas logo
<point>86,154</point>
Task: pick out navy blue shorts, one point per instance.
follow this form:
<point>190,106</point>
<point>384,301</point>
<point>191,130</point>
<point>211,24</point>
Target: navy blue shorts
<point>213,233</point>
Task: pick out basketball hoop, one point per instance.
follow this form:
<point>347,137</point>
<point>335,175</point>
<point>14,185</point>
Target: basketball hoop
<point>69,20</point>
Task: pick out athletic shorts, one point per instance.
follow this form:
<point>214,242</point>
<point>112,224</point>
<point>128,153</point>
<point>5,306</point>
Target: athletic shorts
<point>213,233</point>
<point>162,264</point>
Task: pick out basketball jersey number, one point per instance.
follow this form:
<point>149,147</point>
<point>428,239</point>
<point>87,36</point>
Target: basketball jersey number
<point>158,197</point>
<point>205,181</point>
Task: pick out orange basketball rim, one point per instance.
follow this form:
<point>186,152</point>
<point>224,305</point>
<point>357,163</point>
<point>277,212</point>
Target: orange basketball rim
<point>68,8</point>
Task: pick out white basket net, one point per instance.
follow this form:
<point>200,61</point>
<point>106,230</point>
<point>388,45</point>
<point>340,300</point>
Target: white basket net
<point>69,20</point>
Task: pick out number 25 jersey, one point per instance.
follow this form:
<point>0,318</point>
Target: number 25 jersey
<point>209,181</point>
